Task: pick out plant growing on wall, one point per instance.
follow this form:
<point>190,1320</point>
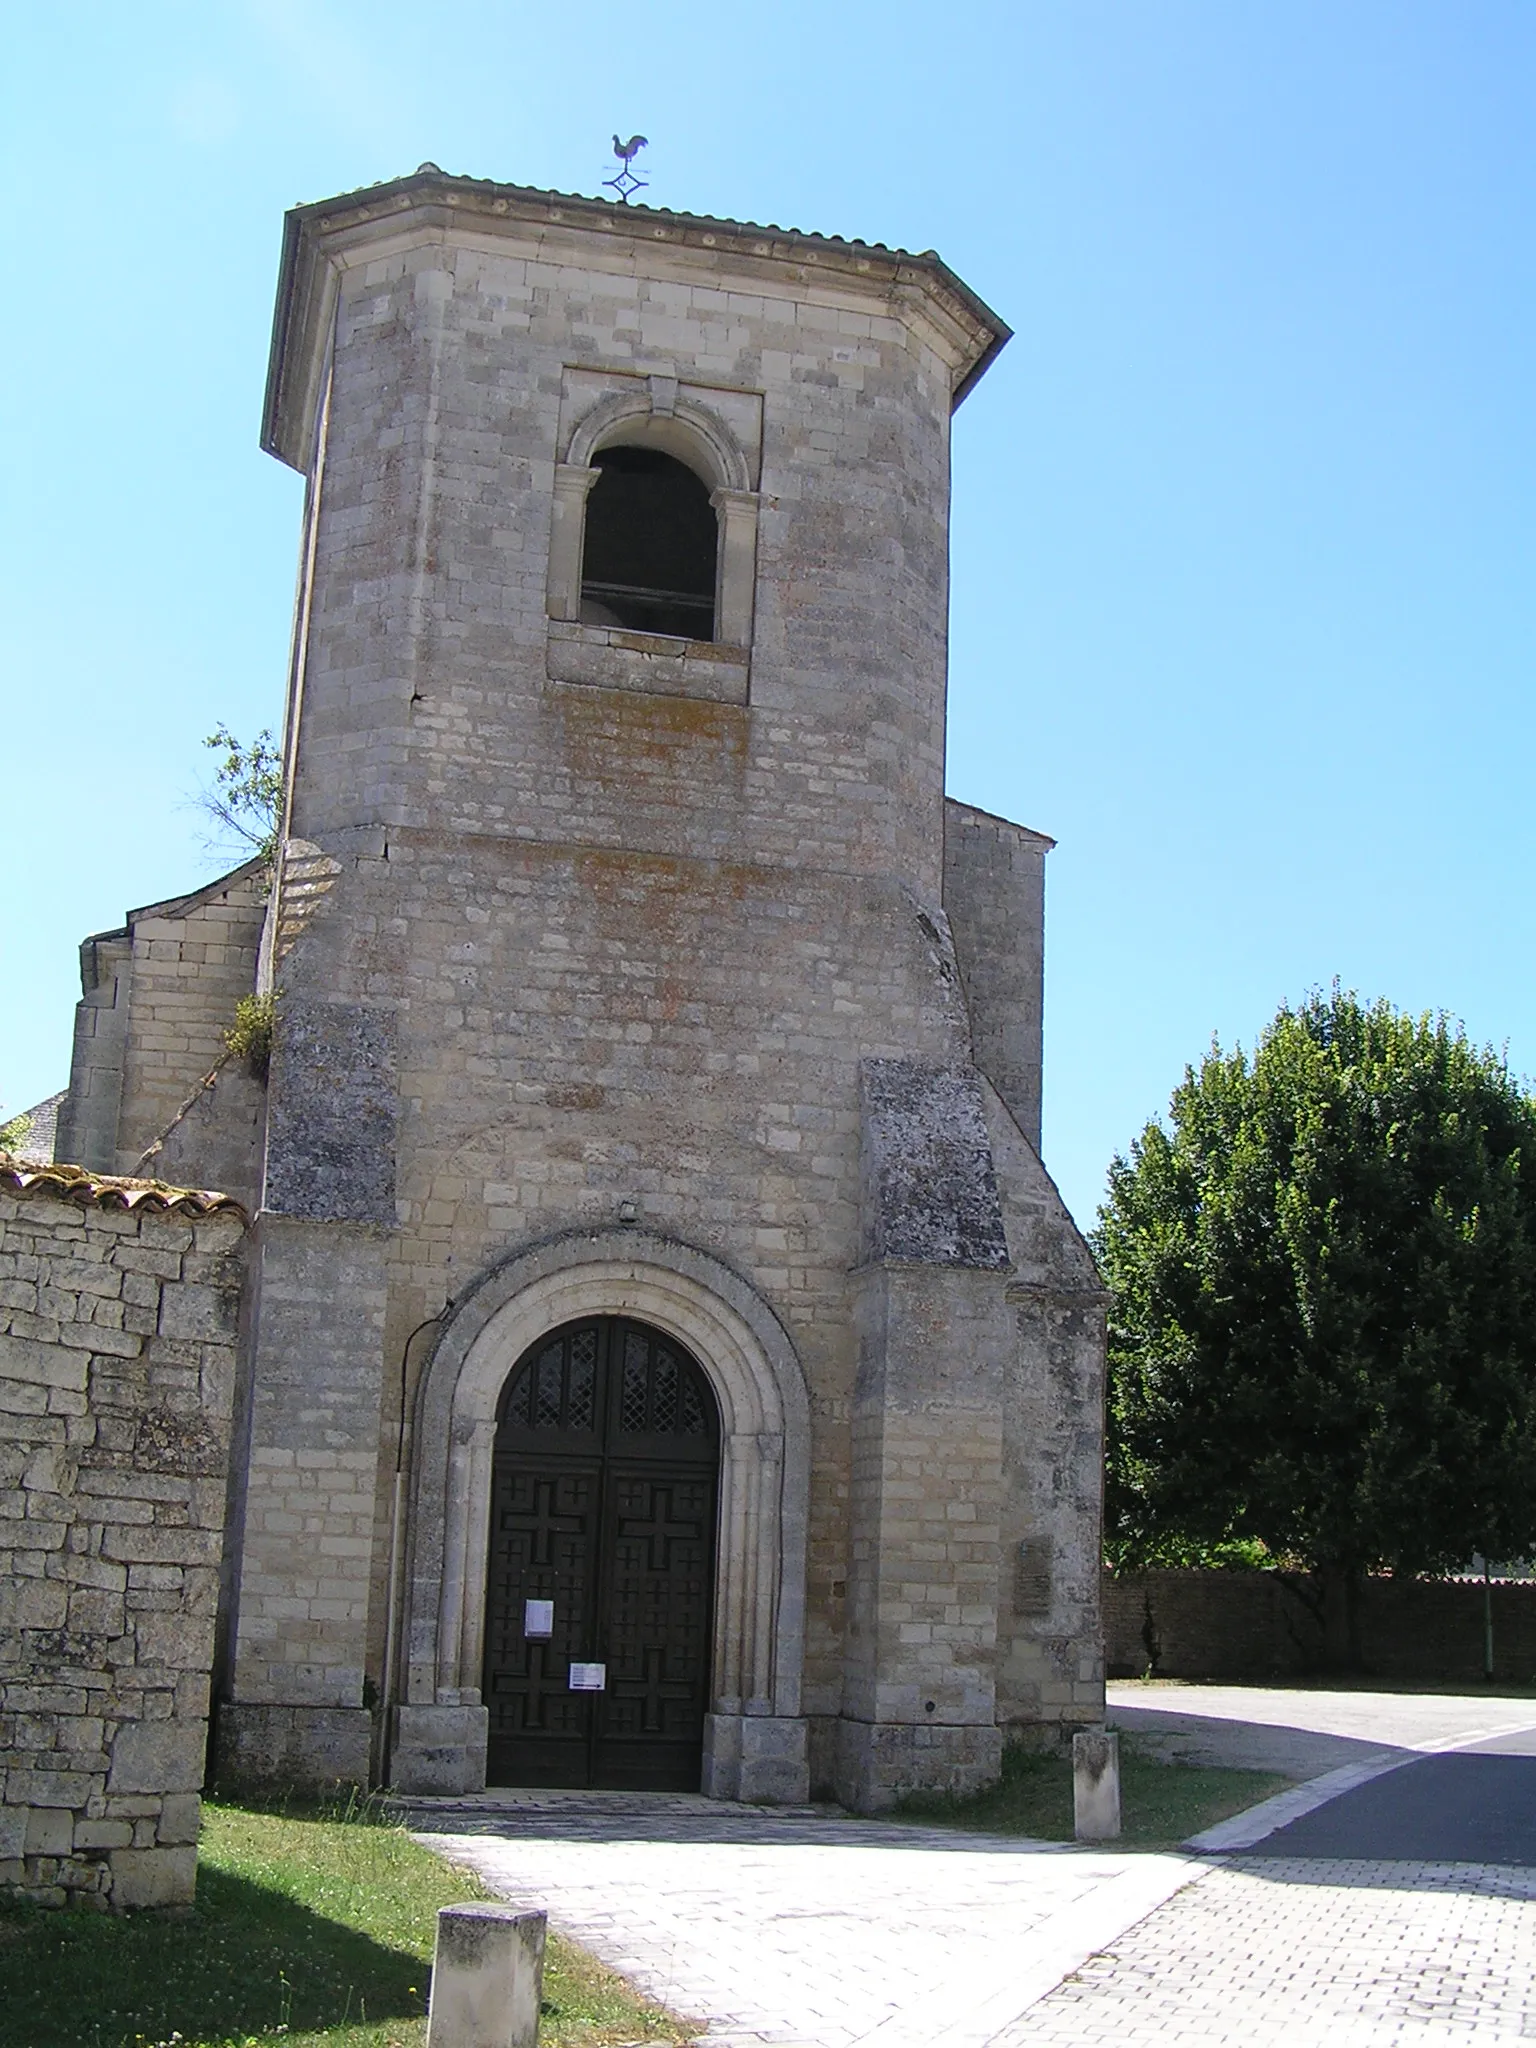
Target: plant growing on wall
<point>1323,1332</point>
<point>250,1036</point>
<point>247,794</point>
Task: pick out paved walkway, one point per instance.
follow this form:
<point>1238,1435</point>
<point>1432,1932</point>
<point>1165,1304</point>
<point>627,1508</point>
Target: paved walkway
<point>1310,1955</point>
<point>791,1928</point>
<point>806,1929</point>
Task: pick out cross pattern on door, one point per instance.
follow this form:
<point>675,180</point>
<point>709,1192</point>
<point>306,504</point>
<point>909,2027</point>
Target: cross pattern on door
<point>604,1501</point>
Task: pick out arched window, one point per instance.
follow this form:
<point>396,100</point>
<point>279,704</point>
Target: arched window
<point>648,559</point>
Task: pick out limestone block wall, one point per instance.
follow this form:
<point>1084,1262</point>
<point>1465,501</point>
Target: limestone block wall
<point>1050,1673</point>
<point>93,1102</point>
<point>994,897</point>
<point>158,997</point>
<point>118,1306</point>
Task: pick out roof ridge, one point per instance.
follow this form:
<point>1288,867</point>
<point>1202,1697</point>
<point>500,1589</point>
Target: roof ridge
<point>112,1190</point>
<point>622,210</point>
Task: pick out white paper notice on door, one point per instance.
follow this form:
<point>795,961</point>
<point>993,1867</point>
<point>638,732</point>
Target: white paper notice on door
<point>589,1677</point>
<point>539,1618</point>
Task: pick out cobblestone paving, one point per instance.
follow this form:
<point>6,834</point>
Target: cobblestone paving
<point>810,1930</point>
<point>1352,1955</point>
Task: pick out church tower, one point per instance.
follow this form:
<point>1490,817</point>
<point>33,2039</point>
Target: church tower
<point>669,1363</point>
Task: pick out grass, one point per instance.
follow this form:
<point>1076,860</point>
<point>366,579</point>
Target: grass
<point>308,1932</point>
<point>1161,1804</point>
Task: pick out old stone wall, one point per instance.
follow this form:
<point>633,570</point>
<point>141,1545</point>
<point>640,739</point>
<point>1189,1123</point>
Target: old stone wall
<point>994,894</point>
<point>1255,1625</point>
<point>158,997</point>
<point>1050,1675</point>
<point>118,1306</point>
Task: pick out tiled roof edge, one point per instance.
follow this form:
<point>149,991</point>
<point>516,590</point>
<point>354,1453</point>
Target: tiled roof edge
<point>302,288</point>
<point>112,1191</point>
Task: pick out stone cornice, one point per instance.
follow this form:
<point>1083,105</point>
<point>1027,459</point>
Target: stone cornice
<point>920,289</point>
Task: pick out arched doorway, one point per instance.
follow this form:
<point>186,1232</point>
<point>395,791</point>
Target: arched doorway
<point>600,1573</point>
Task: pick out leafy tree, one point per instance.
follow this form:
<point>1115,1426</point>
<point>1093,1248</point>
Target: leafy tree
<point>247,794</point>
<point>15,1132</point>
<point>1323,1332</point>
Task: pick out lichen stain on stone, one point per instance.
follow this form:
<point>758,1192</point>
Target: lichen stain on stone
<point>667,899</point>
<point>933,1187</point>
<point>613,737</point>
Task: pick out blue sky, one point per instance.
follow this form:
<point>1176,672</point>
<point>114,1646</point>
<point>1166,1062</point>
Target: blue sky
<point>1242,605</point>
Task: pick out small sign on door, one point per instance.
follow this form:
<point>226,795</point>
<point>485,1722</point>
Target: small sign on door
<point>538,1620</point>
<point>589,1677</point>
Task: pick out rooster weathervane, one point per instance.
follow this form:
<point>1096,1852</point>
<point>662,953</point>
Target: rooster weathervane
<point>628,180</point>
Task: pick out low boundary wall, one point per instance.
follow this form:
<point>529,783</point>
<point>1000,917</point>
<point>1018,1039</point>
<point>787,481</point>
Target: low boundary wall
<point>1236,1624</point>
<point>118,1309</point>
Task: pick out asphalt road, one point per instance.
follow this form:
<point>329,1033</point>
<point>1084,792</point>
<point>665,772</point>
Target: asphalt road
<point>1472,1806</point>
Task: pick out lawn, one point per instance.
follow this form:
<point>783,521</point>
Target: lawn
<point>1161,1804</point>
<point>307,1932</point>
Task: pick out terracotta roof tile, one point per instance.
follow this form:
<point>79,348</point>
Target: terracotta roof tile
<point>110,1190</point>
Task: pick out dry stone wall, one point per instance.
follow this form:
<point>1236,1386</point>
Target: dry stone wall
<point>118,1307</point>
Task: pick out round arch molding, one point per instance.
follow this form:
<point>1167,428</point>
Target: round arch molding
<point>700,439</point>
<point>754,1744</point>
<point>690,431</point>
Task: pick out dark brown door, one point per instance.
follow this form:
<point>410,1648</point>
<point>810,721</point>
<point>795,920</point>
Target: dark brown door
<point>603,1505</point>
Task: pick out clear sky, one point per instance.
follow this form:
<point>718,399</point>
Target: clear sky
<point>1243,606</point>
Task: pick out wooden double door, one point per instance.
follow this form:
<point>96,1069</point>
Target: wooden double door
<point>600,1587</point>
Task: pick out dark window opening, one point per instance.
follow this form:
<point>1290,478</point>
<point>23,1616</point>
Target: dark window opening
<point>649,559</point>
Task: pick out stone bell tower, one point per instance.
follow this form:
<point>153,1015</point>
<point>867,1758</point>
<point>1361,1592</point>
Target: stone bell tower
<point>645,1009</point>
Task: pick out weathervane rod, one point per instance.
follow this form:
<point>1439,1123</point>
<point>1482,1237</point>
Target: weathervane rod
<point>628,179</point>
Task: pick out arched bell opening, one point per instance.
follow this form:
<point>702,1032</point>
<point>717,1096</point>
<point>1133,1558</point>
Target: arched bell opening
<point>600,1572</point>
<point>650,546</point>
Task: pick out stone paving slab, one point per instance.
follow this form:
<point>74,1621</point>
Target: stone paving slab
<point>808,1929</point>
<point>797,1927</point>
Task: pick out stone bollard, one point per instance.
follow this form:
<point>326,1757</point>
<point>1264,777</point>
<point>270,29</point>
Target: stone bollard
<point>487,1977</point>
<point>1096,1785</point>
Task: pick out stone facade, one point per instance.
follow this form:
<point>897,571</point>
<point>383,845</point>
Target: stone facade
<point>627,974</point>
<point>150,1083</point>
<point>118,1309</point>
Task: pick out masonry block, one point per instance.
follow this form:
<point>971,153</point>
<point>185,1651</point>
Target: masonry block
<point>152,1877</point>
<point>308,1749</point>
<point>1096,1785</point>
<point>439,1750</point>
<point>487,1977</point>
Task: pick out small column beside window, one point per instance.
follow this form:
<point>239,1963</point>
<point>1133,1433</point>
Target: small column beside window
<point>572,483</point>
<point>736,565</point>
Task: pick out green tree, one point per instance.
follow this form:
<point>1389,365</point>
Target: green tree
<point>15,1132</point>
<point>247,794</point>
<point>1323,1331</point>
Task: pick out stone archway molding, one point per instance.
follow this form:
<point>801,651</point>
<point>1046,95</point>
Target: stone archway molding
<point>694,433</point>
<point>755,1736</point>
<point>699,438</point>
